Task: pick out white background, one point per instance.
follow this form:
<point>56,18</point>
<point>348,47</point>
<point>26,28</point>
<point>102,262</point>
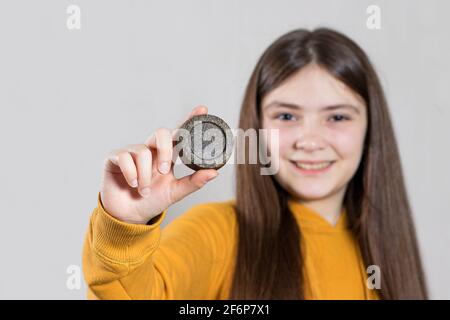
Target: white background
<point>68,97</point>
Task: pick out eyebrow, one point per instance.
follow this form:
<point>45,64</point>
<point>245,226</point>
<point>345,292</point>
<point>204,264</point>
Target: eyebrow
<point>297,107</point>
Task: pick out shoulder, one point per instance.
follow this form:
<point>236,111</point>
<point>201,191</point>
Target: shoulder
<point>217,211</point>
<point>212,223</point>
<point>207,218</point>
<point>223,207</point>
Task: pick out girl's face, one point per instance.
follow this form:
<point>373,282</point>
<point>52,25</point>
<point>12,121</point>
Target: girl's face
<point>322,125</point>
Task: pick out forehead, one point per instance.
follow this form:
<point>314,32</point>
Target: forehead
<point>311,87</point>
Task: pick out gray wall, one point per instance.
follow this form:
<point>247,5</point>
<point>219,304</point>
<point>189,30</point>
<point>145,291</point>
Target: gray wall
<point>69,96</point>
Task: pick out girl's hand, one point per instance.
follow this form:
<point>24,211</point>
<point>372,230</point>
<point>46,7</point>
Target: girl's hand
<point>138,181</point>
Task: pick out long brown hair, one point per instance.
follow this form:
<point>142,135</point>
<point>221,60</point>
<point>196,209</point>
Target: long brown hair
<point>268,258</point>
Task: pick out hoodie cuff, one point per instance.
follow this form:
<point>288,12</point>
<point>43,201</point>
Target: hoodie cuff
<point>122,242</point>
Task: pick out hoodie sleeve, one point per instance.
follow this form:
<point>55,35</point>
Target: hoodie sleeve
<point>188,259</point>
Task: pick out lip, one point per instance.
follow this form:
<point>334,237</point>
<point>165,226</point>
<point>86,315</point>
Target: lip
<point>312,172</point>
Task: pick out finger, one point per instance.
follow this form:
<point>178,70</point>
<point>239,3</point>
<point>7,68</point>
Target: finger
<point>161,140</point>
<point>188,184</point>
<point>128,168</point>
<point>198,110</point>
<point>143,159</point>
<point>111,162</point>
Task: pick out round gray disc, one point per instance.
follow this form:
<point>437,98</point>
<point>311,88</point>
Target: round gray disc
<point>205,142</point>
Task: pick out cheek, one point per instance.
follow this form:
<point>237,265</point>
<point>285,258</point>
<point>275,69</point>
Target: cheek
<point>285,139</point>
<point>348,143</point>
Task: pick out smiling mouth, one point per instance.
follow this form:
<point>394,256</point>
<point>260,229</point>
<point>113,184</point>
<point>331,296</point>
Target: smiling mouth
<point>313,166</point>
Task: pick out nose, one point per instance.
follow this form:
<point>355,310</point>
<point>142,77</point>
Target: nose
<point>310,139</point>
<point>309,145</point>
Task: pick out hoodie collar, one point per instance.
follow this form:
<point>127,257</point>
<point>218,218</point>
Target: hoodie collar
<point>311,219</point>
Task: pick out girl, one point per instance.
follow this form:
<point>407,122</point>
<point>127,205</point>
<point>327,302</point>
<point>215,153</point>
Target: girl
<point>335,209</point>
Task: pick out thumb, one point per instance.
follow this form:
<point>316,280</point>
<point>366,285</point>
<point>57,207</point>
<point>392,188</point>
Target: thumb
<point>191,183</point>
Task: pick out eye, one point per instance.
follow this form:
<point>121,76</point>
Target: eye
<point>339,118</point>
<point>285,116</point>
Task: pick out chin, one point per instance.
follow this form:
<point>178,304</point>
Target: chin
<point>311,194</point>
<point>308,190</point>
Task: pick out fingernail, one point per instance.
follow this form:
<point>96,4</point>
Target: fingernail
<point>145,192</point>
<point>164,167</point>
<point>134,183</point>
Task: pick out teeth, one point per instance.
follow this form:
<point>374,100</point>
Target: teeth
<point>315,166</point>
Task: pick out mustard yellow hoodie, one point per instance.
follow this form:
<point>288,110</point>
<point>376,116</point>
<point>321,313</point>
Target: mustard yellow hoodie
<point>193,256</point>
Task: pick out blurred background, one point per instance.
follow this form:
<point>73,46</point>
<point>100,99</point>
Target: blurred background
<point>69,96</point>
